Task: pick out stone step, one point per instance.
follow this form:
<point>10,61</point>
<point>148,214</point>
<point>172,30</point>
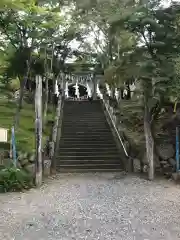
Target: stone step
<point>85,124</point>
<point>75,113</point>
<point>87,149</point>
<point>83,119</point>
<point>85,113</point>
<point>85,131</point>
<point>88,128</point>
<point>105,129</point>
<point>81,102</point>
<point>100,128</point>
<point>94,156</point>
<point>95,170</point>
<point>91,166</point>
<point>84,107</point>
<point>90,153</point>
<point>91,159</point>
<point>80,107</point>
<point>87,162</point>
<point>86,144</point>
<point>86,138</point>
<point>88,141</point>
<point>85,110</point>
<point>105,135</point>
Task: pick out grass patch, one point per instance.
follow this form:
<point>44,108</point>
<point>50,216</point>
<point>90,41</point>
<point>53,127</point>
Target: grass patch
<point>25,135</point>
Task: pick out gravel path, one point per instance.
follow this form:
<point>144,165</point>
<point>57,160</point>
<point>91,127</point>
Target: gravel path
<point>92,207</point>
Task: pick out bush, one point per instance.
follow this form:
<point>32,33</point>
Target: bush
<point>14,179</point>
<point>13,84</point>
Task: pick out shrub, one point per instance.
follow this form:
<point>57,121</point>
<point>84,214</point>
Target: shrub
<point>13,84</point>
<point>14,179</point>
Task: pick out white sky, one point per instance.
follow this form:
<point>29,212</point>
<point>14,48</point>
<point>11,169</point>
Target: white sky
<point>166,3</point>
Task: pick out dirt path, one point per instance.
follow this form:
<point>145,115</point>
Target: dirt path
<point>92,207</point>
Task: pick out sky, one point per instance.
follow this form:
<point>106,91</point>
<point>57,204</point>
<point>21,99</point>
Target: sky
<point>166,3</point>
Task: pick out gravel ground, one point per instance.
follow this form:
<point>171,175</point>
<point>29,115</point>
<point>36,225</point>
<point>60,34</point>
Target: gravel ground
<point>92,207</point>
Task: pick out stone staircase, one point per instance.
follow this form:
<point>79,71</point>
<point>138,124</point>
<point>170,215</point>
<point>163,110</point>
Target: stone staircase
<point>87,143</point>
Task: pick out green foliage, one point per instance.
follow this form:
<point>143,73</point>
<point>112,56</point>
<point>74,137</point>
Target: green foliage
<point>14,179</point>
<point>13,85</point>
<point>18,62</point>
<point>110,75</point>
<point>25,136</point>
<point>15,4</point>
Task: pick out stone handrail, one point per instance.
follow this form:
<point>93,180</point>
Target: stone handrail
<point>113,118</point>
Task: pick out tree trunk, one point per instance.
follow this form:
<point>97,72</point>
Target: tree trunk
<point>38,125</point>
<point>149,142</point>
<point>46,89</point>
<point>46,100</point>
<point>53,77</point>
<point>54,134</point>
<point>20,102</point>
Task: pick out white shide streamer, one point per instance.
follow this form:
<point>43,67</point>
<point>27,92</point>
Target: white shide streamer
<point>116,94</point>
<point>56,89</point>
<point>89,92</point>
<point>66,90</point>
<point>77,90</point>
<point>109,92</point>
<point>99,94</point>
